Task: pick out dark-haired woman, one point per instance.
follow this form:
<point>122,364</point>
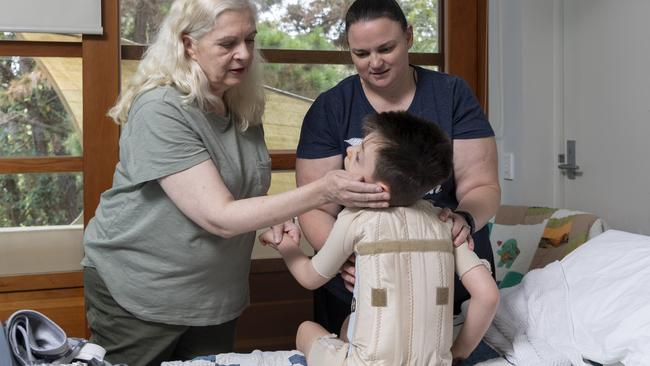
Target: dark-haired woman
<point>379,39</point>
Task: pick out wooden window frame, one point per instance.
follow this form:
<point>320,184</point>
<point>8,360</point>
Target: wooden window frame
<point>100,79</point>
<point>53,164</point>
<point>465,44</point>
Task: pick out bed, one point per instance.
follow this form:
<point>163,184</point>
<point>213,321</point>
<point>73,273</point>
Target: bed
<point>591,307</point>
<point>572,292</point>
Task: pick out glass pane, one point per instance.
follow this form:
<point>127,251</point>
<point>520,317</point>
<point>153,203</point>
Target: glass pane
<point>319,24</point>
<point>40,199</point>
<point>290,92</point>
<point>40,106</point>
<point>306,81</point>
<point>140,19</point>
<point>127,69</point>
<point>7,36</point>
<point>43,37</point>
<point>425,18</point>
<point>282,182</point>
<point>282,119</point>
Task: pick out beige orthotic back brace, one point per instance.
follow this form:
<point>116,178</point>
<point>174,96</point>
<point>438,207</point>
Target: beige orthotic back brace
<point>403,313</point>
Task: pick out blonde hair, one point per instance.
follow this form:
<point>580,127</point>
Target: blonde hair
<point>166,63</point>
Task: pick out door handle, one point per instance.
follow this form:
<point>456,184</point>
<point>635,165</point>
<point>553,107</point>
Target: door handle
<point>570,169</point>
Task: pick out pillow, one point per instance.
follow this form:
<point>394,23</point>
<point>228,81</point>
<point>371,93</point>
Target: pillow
<point>565,231</point>
<point>514,247</point>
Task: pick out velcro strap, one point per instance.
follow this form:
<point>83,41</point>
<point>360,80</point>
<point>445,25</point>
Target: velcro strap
<point>442,296</point>
<point>378,297</point>
<point>404,246</point>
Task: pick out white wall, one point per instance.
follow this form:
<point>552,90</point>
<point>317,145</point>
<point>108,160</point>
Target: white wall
<point>524,101</point>
<point>574,69</point>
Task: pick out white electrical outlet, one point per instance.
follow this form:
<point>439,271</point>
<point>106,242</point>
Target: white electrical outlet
<point>509,166</point>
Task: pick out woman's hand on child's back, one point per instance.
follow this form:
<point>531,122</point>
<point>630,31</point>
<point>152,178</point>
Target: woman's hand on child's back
<point>461,232</point>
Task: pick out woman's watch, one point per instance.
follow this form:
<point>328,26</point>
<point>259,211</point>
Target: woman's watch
<point>470,220</point>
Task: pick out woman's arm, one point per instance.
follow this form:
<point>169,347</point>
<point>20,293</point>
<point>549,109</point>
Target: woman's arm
<point>477,183</point>
<point>317,224</point>
<point>200,193</point>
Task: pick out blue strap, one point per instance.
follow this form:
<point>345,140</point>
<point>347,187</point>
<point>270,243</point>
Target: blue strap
<point>6,358</point>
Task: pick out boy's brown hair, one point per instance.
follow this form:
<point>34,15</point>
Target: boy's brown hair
<point>413,156</point>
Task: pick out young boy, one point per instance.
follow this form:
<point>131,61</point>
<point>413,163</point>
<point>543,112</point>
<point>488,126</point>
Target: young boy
<point>403,294</point>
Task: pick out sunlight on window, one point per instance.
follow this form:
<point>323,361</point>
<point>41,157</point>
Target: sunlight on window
<point>282,181</point>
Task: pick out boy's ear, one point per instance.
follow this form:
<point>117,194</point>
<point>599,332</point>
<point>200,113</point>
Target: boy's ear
<point>383,186</point>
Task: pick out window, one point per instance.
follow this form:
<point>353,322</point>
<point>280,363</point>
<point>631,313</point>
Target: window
<point>54,150</point>
<point>40,117</point>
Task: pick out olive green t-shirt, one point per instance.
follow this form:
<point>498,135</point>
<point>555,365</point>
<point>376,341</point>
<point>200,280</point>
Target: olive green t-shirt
<point>155,261</point>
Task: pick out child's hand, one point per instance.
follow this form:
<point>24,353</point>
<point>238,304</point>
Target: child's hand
<point>277,233</point>
<point>266,238</point>
<point>290,236</point>
<point>292,229</point>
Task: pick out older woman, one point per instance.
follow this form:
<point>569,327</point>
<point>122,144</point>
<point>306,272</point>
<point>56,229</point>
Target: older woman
<point>167,254</point>
<point>379,39</point>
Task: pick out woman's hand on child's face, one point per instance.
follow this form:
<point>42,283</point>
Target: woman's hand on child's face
<point>349,190</point>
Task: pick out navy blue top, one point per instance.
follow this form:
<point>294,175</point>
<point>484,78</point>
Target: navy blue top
<point>337,114</point>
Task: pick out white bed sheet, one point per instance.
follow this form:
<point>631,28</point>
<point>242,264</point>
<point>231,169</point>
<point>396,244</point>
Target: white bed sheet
<point>595,304</point>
